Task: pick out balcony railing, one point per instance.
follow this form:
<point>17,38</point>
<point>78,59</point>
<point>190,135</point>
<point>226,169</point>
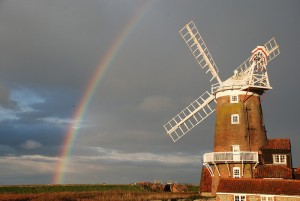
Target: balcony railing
<point>231,157</point>
<point>226,86</point>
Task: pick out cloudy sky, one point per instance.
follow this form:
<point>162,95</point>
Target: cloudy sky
<point>49,51</point>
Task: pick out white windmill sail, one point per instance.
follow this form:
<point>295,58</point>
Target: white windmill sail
<point>203,106</point>
<point>192,115</point>
<point>245,77</point>
<point>194,41</point>
<point>273,51</point>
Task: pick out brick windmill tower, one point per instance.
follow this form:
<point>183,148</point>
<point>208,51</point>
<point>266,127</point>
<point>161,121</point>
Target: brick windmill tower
<point>240,130</point>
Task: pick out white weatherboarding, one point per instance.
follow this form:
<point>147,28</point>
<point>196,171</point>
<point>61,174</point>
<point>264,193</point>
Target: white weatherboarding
<point>252,74</point>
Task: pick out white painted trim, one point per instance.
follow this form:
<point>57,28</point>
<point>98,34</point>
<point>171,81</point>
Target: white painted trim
<point>240,194</point>
<point>285,196</point>
<point>235,148</point>
<point>232,97</point>
<point>237,121</point>
<point>233,172</point>
<point>234,92</point>
<point>279,155</point>
<point>267,197</point>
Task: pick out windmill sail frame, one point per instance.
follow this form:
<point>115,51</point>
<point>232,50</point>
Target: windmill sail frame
<point>246,76</point>
<point>191,116</point>
<point>194,41</point>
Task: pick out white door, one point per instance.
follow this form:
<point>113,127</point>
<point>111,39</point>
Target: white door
<point>236,152</point>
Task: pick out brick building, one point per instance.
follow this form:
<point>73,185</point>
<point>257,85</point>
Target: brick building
<point>242,153</point>
<point>258,190</point>
<point>273,178</point>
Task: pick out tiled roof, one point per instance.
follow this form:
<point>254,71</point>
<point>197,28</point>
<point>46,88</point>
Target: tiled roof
<point>260,186</point>
<point>273,171</point>
<point>278,143</point>
<point>297,173</point>
<point>297,170</point>
<point>205,180</point>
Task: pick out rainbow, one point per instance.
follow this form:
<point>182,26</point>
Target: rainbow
<point>79,114</point>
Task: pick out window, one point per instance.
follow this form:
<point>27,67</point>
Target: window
<point>267,198</point>
<point>239,197</point>
<point>235,119</point>
<point>279,159</point>
<point>235,148</point>
<point>234,99</point>
<point>236,172</point>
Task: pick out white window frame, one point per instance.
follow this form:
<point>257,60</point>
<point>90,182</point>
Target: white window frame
<point>239,197</point>
<point>235,148</point>
<point>234,98</point>
<point>234,170</point>
<point>279,159</point>
<point>235,119</point>
<point>267,198</point>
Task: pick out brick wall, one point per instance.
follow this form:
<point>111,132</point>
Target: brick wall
<point>227,134</point>
<point>225,169</point>
<point>249,134</point>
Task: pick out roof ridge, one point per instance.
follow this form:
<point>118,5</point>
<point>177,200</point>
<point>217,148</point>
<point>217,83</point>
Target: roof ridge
<point>277,143</point>
<point>274,166</point>
<point>259,186</point>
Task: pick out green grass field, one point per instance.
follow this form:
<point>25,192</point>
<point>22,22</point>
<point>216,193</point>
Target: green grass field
<point>19,189</point>
<point>24,189</point>
<point>108,192</point>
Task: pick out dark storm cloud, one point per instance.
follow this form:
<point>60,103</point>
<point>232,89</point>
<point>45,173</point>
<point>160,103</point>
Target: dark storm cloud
<point>57,43</point>
<point>16,134</point>
<point>27,169</point>
<point>49,51</point>
<point>5,100</point>
<point>37,121</point>
<point>7,150</point>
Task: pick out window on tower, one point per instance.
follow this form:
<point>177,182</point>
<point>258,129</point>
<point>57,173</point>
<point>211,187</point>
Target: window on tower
<point>235,148</point>
<point>234,99</point>
<point>236,172</point>
<point>235,119</point>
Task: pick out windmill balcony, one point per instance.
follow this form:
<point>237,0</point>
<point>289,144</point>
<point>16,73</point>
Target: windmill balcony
<point>228,86</point>
<point>230,157</point>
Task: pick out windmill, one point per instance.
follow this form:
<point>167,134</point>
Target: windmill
<point>240,129</point>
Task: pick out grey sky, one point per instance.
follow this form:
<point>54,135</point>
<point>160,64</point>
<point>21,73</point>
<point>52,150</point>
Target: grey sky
<point>49,51</point>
